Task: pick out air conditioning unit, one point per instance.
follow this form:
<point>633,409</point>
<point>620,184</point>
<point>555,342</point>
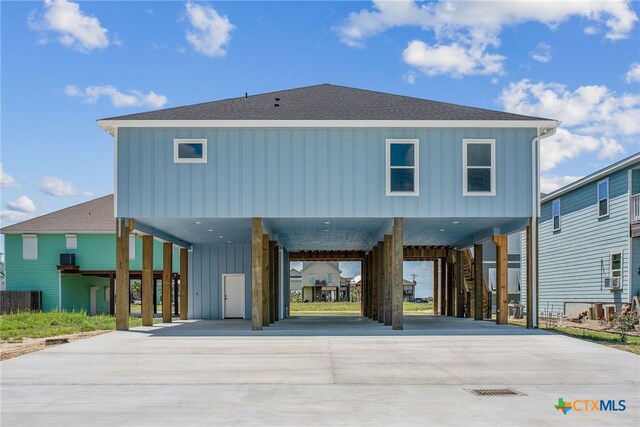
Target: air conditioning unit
<point>67,259</point>
<point>616,283</point>
<point>607,283</point>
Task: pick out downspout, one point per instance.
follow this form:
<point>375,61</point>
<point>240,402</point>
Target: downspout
<point>535,213</point>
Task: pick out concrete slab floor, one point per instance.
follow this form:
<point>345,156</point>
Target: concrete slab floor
<point>319,371</point>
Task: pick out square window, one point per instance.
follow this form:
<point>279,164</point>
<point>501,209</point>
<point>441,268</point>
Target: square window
<point>402,167</point>
<point>71,241</point>
<point>189,150</point>
<point>478,167</point>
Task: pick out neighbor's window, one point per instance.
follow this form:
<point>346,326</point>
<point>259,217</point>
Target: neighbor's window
<point>603,198</point>
<point>555,208</point>
<point>330,278</point>
<point>190,151</point>
<point>616,265</point>
<point>132,247</point>
<point>479,167</point>
<point>72,241</point>
<point>107,297</point>
<point>402,167</point>
<point>29,246</point>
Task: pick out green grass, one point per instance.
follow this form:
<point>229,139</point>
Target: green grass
<point>137,308</point>
<point>348,308</point>
<point>14,327</point>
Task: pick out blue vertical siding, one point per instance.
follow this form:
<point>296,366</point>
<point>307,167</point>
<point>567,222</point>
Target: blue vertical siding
<point>208,263</point>
<point>312,172</point>
<point>575,260</point>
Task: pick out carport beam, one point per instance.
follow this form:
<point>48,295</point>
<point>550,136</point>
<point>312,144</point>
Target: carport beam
<point>147,280</point>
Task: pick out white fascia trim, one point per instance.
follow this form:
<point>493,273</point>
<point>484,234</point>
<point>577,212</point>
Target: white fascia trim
<point>112,125</point>
<point>593,177</point>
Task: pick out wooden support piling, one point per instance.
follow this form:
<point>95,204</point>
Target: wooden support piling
<point>380,282</point>
<point>147,281</point>
<point>184,284</point>
<point>273,289</point>
<point>256,274</point>
<point>167,264</point>
<point>443,286</point>
<point>435,287</point>
<point>266,290</point>
<point>502,280</point>
<point>397,320</point>
<point>374,283</point>
<point>388,268</point>
<point>362,279</point>
<point>459,278</point>
<point>477,283</point>
<point>122,274</point>
<point>450,286</point>
<point>112,293</point>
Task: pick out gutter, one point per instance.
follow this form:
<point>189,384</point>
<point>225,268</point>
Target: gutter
<point>535,213</point>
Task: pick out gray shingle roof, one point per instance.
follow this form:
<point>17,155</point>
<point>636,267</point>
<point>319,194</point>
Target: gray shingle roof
<point>92,216</point>
<point>325,102</point>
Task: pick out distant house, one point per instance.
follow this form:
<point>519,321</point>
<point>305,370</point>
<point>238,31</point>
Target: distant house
<point>70,256</point>
<point>3,275</point>
<point>320,281</point>
<point>514,251</point>
<point>295,281</point>
<point>409,290</point>
<point>590,241</point>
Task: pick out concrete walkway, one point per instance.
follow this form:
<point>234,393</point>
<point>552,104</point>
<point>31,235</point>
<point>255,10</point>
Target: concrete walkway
<point>319,371</point>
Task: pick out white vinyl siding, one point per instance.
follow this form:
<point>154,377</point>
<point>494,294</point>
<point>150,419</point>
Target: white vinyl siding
<point>402,168</point>
<point>71,241</point>
<point>479,167</point>
<point>30,246</point>
<point>189,150</point>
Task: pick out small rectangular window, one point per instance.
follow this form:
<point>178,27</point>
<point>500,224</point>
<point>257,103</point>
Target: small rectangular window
<point>312,279</point>
<point>132,247</point>
<point>616,265</point>
<point>330,278</point>
<point>479,167</point>
<point>189,150</point>
<point>555,207</point>
<point>30,246</point>
<point>603,198</point>
<point>107,297</point>
<point>402,167</point>
<point>72,241</point>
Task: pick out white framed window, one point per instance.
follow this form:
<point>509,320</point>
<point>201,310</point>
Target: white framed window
<point>30,246</point>
<point>403,170</point>
<point>616,265</point>
<point>312,279</point>
<point>132,247</point>
<point>72,241</point>
<point>479,167</point>
<point>330,278</point>
<point>189,150</point>
<point>107,297</point>
<point>555,212</point>
<point>603,198</point>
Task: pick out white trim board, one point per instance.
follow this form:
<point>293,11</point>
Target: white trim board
<point>111,125</point>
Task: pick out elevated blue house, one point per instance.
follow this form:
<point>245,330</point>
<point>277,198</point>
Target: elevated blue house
<point>324,172</point>
<point>590,241</point>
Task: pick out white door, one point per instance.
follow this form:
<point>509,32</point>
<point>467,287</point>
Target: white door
<point>92,300</point>
<point>233,296</point>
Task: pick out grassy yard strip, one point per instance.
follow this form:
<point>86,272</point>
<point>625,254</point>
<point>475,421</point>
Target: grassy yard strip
<point>349,308</point>
<point>14,327</point>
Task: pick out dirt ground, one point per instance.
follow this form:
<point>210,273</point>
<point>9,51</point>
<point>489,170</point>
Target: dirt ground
<point>10,350</point>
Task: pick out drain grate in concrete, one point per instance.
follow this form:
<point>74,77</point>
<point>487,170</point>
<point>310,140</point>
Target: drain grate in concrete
<point>495,392</point>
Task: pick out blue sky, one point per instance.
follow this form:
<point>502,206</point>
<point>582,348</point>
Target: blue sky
<point>66,64</point>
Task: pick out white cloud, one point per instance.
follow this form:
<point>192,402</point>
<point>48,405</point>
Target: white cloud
<point>454,59</point>
<point>591,30</point>
<point>549,183</point>
<point>6,180</point>
<point>134,98</point>
<point>22,204</point>
<point>542,52</point>
<point>75,29</point>
<point>633,75</point>
<point>467,29</point>
<point>8,216</point>
<point>59,187</point>
<point>210,32</point>
<point>566,145</point>
<point>409,77</point>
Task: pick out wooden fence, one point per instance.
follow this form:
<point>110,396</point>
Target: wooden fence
<point>13,301</point>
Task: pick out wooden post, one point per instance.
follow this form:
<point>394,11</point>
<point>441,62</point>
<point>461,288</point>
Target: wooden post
<point>155,296</point>
<point>362,279</point>
<point>388,267</point>
<point>450,285</point>
<point>443,286</point>
<point>266,290</point>
<point>256,274</point>
<point>435,286</point>
<point>380,284</point>
<point>112,294</point>
<point>397,319</point>
<point>147,281</point>
<point>477,282</point>
<point>273,286</point>
<point>122,274</point>
<point>529,289</point>
<point>374,283</point>
<point>276,275</point>
<point>459,273</point>
<point>176,295</point>
<point>167,264</point>
<point>502,280</point>
<point>369,285</point>
<point>184,284</point>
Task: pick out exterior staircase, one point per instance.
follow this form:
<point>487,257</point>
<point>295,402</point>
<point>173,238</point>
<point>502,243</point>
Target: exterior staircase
<point>469,281</point>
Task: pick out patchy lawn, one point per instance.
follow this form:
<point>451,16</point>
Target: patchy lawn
<point>349,308</point>
<point>15,327</point>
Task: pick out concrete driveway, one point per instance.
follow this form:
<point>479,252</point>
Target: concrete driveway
<point>319,371</point>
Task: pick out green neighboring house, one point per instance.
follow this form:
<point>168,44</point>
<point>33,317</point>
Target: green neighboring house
<point>39,257</point>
